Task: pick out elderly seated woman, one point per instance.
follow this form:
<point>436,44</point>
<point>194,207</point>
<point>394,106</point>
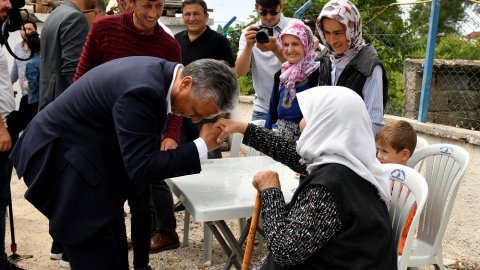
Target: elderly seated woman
<point>337,218</point>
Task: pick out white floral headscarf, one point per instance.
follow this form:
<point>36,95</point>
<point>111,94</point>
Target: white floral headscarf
<point>293,73</point>
<point>338,130</point>
<point>347,14</point>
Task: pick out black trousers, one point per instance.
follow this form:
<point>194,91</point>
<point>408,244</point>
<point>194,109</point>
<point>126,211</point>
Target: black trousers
<point>106,247</point>
<point>141,221</point>
<point>162,205</point>
<point>105,250</point>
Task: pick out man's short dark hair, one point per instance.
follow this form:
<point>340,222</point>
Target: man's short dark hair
<point>269,4</point>
<point>200,2</point>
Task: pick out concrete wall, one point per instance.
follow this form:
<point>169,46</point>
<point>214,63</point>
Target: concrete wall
<point>454,93</point>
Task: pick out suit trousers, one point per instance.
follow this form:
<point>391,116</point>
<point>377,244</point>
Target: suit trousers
<point>105,250</point>
<point>104,246</point>
<point>141,221</point>
<point>162,201</point>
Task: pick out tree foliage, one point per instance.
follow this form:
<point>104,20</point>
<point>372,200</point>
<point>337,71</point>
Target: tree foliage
<point>452,14</point>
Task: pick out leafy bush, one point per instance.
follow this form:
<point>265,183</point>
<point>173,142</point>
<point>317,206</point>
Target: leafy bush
<point>456,47</point>
<point>233,35</point>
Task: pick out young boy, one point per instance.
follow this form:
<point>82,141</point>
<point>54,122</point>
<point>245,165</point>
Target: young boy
<point>395,144</point>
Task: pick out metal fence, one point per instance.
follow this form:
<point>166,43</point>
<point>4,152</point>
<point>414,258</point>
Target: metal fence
<point>400,33</point>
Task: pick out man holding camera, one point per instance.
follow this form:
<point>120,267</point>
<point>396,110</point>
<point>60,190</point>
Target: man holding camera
<point>7,138</point>
<point>258,49</point>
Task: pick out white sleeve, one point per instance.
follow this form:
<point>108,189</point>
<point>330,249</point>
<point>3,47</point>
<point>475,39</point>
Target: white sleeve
<point>7,101</point>
<point>202,149</point>
<point>242,42</point>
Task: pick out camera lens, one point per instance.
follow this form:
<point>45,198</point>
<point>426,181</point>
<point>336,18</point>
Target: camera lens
<point>262,35</point>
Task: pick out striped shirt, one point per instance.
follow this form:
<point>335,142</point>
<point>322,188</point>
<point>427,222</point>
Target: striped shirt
<point>372,95</point>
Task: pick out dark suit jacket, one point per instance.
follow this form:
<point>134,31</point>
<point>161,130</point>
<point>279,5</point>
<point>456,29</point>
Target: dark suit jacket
<point>86,152</point>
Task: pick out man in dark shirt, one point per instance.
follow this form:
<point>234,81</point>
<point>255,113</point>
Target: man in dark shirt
<point>197,42</point>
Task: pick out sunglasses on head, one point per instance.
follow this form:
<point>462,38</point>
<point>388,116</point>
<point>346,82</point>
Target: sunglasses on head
<point>265,12</point>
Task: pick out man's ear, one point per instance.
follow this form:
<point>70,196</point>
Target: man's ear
<point>186,83</point>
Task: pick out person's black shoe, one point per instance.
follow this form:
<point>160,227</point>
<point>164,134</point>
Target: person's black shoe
<point>178,207</point>
<point>10,266</point>
<point>143,268</point>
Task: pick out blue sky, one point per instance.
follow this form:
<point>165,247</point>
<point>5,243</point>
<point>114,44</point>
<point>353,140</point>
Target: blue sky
<point>224,10</point>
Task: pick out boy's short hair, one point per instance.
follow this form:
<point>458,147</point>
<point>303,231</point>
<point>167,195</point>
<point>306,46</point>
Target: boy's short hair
<point>399,135</point>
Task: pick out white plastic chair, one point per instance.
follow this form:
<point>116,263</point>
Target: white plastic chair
<point>421,142</point>
<point>237,142</point>
<point>444,166</point>
<point>409,188</point>
<point>236,145</point>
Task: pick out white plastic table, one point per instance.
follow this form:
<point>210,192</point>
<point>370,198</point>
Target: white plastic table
<point>223,190</point>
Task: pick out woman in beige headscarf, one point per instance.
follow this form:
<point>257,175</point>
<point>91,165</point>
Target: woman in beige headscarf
<point>348,61</point>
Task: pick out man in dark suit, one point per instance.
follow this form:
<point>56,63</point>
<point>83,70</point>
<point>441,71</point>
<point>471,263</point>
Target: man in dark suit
<point>87,151</point>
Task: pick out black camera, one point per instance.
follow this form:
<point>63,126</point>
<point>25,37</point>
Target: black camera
<point>263,34</point>
<point>12,23</point>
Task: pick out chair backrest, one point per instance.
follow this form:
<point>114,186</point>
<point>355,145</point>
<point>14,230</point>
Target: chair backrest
<point>443,166</point>
<point>409,188</point>
<point>236,145</point>
<point>251,151</point>
<point>421,142</point>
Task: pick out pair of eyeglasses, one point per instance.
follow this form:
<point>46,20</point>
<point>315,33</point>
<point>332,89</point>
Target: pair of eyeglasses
<point>265,12</point>
<point>89,10</point>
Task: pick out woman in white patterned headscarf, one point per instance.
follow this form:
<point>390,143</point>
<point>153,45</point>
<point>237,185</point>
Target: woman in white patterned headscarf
<point>337,218</point>
<point>348,61</point>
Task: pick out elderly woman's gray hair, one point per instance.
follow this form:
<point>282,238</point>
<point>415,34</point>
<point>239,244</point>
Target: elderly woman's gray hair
<point>213,80</point>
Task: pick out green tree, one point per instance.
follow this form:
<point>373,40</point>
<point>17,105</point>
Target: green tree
<point>233,35</point>
<point>452,14</point>
<point>455,47</point>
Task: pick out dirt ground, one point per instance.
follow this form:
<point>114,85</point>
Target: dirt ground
<point>32,238</point>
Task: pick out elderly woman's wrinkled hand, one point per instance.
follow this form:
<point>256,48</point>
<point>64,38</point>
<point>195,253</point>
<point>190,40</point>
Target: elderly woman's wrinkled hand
<point>266,179</point>
<point>229,127</point>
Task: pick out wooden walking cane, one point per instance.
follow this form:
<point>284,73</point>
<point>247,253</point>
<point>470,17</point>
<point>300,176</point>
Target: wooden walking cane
<point>251,233</point>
